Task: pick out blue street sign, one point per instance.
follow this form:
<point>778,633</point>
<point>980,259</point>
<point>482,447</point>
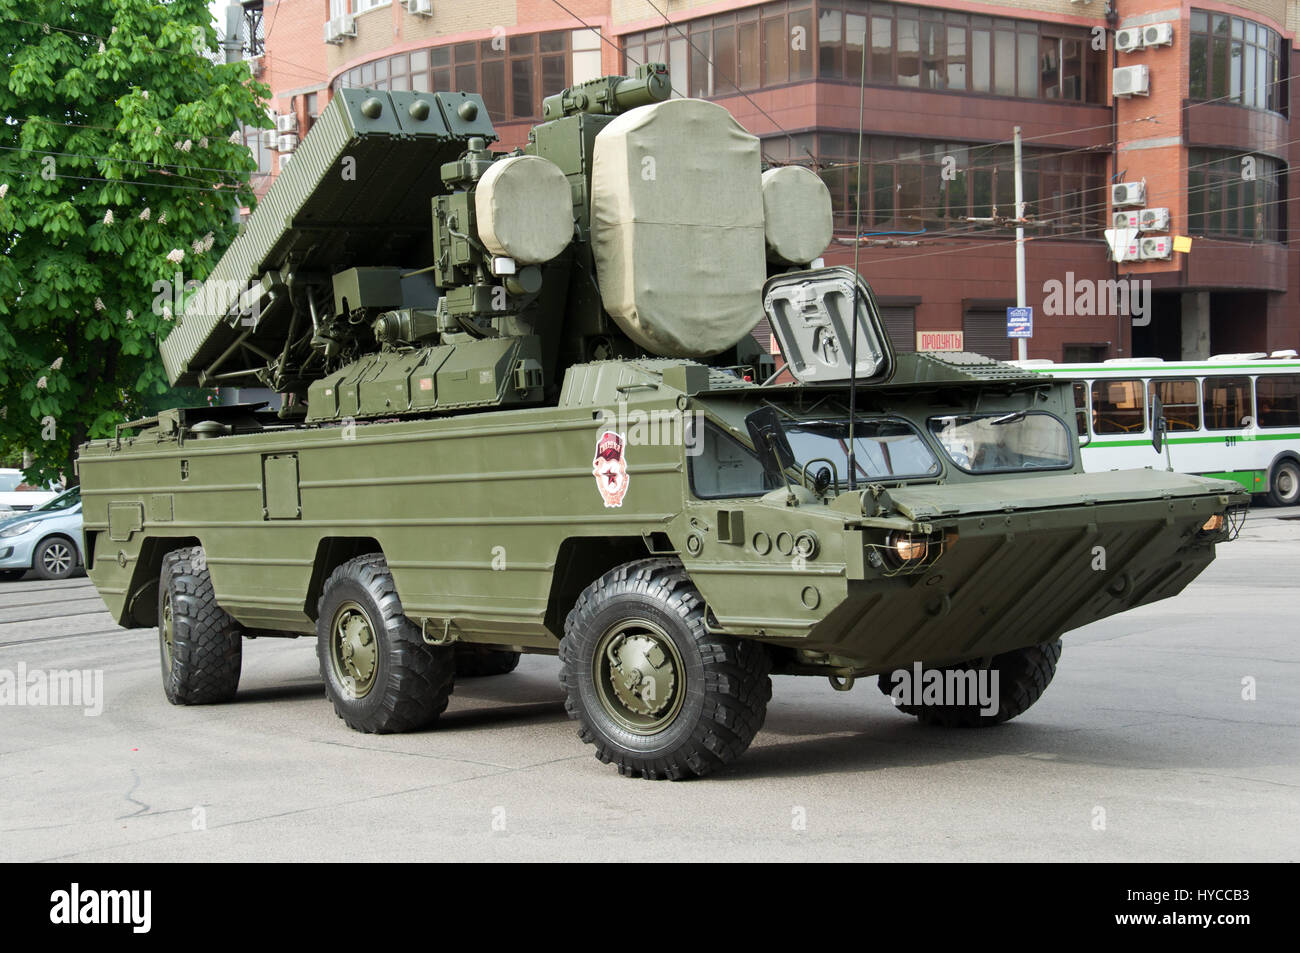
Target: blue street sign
<point>1020,322</point>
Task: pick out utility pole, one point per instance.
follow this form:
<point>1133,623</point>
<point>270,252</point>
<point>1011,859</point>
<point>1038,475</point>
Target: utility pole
<point>1022,348</point>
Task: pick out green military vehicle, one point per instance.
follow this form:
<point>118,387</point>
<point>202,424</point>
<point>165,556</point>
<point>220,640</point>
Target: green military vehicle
<point>524,413</point>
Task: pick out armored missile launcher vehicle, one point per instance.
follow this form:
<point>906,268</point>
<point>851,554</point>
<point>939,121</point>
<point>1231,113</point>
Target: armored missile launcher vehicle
<point>524,413</point>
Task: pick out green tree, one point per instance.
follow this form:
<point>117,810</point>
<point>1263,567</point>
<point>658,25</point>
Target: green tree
<point>121,165</point>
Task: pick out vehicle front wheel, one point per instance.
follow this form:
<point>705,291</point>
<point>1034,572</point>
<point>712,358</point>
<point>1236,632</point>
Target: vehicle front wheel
<point>55,558</point>
<point>653,690</point>
<point>380,674</point>
<point>200,644</point>
<point>1284,484</point>
<point>1022,677</point>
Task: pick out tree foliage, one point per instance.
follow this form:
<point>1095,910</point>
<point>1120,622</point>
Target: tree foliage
<point>121,165</point>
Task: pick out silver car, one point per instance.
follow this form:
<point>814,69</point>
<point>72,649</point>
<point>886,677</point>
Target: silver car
<point>46,539</point>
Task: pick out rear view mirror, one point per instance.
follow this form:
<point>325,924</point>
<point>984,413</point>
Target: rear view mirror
<point>1158,424</point>
<point>770,441</point>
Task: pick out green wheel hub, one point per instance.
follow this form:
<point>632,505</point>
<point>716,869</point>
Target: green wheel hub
<point>167,632</point>
<point>354,652</point>
<point>639,676</point>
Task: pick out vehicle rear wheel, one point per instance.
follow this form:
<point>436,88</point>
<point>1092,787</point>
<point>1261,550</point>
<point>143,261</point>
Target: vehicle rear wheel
<point>478,661</point>
<point>12,575</point>
<point>653,690</point>
<point>200,645</point>
<point>55,558</point>
<point>1023,676</point>
<point>380,674</point>
<point>1284,484</point>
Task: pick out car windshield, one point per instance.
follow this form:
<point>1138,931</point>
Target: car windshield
<point>1000,443</point>
<point>64,501</point>
<point>9,482</point>
<point>883,449</point>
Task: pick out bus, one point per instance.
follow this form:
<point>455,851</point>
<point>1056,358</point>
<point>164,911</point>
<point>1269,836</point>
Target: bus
<point>1232,416</point>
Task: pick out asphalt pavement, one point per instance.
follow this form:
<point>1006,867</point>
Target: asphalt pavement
<point>1169,733</point>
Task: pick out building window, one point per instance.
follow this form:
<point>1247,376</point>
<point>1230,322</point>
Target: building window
<point>1237,61</point>
<point>910,186</point>
<point>913,47</point>
<point>512,74</point>
<point>1231,195</point>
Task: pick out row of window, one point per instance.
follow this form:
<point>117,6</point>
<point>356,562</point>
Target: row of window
<point>1212,403</point>
<point>512,74</point>
<point>909,185</point>
<point>1231,195</point>
<point>1236,60</point>
<point>914,47</point>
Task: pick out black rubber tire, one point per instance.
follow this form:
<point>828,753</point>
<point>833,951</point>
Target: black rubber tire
<point>207,644</point>
<point>1023,676</point>
<point>479,661</point>
<point>47,551</point>
<point>12,575</point>
<point>413,680</point>
<point>727,687</point>
<point>1284,471</point>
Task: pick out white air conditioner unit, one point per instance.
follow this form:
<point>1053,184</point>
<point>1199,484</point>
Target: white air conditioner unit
<point>286,143</point>
<point>1128,193</point>
<point>284,160</point>
<point>1128,81</point>
<point>268,138</point>
<point>1154,220</point>
<point>339,29</point>
<point>1153,249</point>
<point>255,65</point>
<point>1126,220</point>
<point>423,8</point>
<point>1128,40</point>
<point>288,122</point>
<point>1158,34</point>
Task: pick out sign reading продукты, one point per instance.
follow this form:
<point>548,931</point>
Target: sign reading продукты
<point>1020,322</point>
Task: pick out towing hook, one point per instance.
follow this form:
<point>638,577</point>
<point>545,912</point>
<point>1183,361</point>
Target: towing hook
<point>843,683</point>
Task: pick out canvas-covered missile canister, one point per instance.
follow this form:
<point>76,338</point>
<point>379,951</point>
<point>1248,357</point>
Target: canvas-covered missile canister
<point>400,266</point>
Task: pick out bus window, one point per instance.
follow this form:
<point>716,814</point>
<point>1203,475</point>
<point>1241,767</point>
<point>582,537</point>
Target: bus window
<point>1279,400</point>
<point>1178,395</point>
<point>1081,408</point>
<point>1118,406</point>
<point>1227,402</point>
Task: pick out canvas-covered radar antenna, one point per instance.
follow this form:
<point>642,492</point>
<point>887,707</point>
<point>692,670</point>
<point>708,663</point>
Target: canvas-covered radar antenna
<point>684,222</point>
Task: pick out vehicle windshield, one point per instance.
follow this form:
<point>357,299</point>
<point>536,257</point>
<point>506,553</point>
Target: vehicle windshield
<point>883,449</point>
<point>1001,443</point>
<point>64,501</point>
<point>9,482</point>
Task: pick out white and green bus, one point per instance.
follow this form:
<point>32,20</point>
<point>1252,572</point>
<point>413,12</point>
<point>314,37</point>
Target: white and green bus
<point>1232,416</point>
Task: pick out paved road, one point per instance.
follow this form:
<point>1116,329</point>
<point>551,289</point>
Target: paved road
<point>1143,749</point>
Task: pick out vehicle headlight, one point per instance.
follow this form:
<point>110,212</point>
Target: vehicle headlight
<point>1212,525</point>
<point>17,529</point>
<point>909,548</point>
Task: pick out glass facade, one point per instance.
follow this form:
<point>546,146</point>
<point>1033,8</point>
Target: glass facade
<point>914,47</point>
<point>1231,195</point>
<point>1236,61</point>
<point>915,185</point>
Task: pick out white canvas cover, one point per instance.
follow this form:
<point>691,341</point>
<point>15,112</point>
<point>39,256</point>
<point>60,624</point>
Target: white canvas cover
<point>677,227</point>
<point>797,209</point>
<point>524,209</point>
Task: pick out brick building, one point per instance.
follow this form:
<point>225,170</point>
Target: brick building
<point>1205,134</point>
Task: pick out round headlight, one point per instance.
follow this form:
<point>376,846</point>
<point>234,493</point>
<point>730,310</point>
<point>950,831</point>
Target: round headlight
<point>909,548</point>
